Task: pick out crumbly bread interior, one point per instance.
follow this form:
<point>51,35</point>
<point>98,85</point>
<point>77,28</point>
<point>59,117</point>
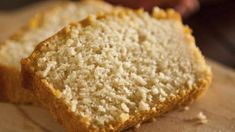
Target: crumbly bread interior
<point>110,68</point>
<point>22,43</point>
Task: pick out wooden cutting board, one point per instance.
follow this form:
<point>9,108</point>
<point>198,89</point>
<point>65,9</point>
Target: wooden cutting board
<point>218,104</point>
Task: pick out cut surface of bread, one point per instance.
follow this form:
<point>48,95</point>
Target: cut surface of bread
<point>22,43</point>
<point>112,71</point>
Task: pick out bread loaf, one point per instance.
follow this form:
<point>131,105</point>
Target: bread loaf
<point>114,70</point>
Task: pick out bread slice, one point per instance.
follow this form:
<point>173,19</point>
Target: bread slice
<point>110,72</point>
<point>22,43</point>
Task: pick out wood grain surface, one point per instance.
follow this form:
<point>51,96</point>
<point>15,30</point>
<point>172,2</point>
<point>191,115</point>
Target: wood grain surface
<point>218,104</point>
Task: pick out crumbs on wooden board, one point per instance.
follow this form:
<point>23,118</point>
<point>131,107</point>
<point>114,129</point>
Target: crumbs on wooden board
<point>186,108</point>
<point>202,118</point>
<point>137,126</point>
<point>199,118</point>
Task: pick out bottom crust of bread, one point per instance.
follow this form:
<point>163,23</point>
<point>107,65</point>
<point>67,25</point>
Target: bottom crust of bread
<point>61,112</point>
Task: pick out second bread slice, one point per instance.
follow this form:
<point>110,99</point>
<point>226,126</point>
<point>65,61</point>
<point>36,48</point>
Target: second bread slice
<point>22,43</point>
<point>109,72</point>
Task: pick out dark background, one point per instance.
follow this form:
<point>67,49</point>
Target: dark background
<point>213,26</point>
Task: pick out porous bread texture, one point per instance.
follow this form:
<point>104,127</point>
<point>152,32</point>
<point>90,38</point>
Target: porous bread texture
<point>109,72</point>
<point>40,27</point>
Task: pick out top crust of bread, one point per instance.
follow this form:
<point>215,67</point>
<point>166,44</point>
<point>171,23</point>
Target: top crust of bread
<point>55,97</point>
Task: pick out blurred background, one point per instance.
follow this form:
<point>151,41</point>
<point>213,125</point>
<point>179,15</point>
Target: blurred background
<point>212,21</point>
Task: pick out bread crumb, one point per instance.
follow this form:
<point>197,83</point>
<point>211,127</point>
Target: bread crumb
<point>69,42</point>
<point>74,105</point>
<point>124,117</point>
<point>154,109</point>
<point>101,108</point>
<point>143,106</point>
<point>124,107</point>
<point>201,117</point>
<point>72,51</point>
<point>153,119</point>
<point>142,92</point>
<point>186,108</point>
<point>137,125</point>
<point>154,90</point>
<point>138,79</point>
<point>162,92</point>
<point>162,99</point>
<point>49,66</point>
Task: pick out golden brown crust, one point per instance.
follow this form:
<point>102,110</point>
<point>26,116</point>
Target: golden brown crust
<point>50,98</point>
<point>11,89</point>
